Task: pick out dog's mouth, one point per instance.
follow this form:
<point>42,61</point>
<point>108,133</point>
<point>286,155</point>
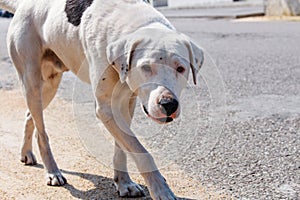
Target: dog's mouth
<point>163,120</point>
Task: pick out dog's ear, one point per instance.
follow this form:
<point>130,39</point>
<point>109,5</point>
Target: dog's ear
<point>196,59</point>
<point>119,55</point>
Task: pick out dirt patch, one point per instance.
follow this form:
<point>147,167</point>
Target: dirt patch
<point>87,178</point>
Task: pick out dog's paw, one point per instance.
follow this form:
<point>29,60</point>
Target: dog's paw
<point>55,179</point>
<point>29,158</point>
<point>129,189</point>
<point>158,187</point>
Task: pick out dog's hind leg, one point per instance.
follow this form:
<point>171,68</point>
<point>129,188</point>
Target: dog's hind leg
<point>48,94</point>
<point>27,54</point>
<point>49,82</point>
<point>27,155</point>
<point>51,78</point>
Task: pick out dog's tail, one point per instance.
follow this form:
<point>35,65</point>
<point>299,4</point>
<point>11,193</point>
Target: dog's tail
<point>9,5</point>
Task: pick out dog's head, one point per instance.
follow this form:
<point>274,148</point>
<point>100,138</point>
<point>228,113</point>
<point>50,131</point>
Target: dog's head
<point>156,64</point>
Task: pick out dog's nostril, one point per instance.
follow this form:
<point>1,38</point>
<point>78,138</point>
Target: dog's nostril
<point>169,106</point>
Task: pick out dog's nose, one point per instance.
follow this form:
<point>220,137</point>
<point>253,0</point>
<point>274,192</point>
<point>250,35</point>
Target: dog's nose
<point>169,105</point>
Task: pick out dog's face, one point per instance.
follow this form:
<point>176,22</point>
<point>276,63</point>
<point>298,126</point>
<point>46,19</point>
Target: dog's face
<point>156,66</point>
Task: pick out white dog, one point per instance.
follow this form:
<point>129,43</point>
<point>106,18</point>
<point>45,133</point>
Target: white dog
<point>125,49</point>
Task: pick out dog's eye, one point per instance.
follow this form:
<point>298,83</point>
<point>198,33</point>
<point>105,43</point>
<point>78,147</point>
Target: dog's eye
<point>180,69</point>
<point>146,68</point>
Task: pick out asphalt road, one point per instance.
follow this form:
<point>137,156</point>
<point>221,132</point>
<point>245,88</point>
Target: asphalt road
<point>256,155</point>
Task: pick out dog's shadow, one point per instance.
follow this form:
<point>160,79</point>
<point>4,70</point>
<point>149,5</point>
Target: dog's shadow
<point>104,188</point>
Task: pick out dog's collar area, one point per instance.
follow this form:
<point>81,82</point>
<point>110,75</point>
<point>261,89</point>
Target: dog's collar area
<point>160,120</point>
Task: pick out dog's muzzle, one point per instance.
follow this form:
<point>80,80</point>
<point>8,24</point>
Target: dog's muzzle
<point>160,120</point>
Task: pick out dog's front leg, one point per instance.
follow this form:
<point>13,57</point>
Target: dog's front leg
<point>124,185</point>
<point>157,185</point>
<point>111,109</point>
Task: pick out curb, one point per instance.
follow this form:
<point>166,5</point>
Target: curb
<point>218,16</point>
<point>215,12</point>
<point>211,6</point>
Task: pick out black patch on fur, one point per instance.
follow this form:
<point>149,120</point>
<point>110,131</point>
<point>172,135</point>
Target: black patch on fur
<point>75,10</point>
